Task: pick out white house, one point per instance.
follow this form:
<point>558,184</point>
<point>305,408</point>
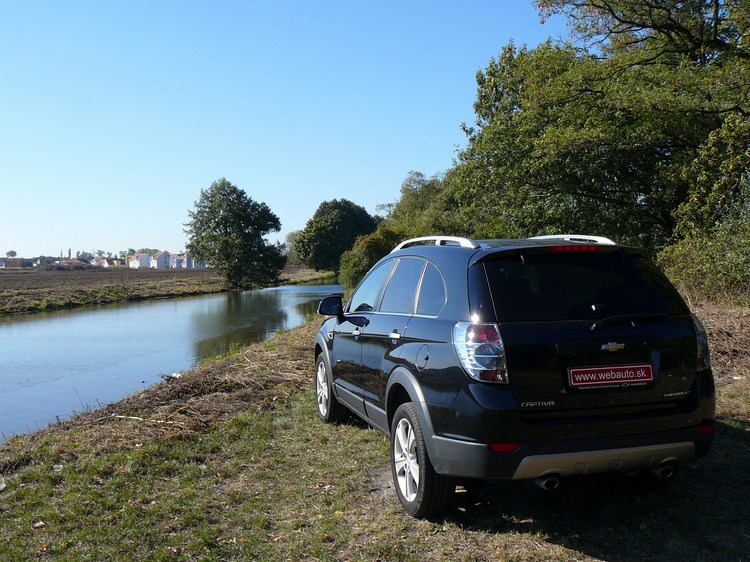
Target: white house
<point>160,260</point>
<point>184,261</point>
<point>101,261</point>
<point>177,261</point>
<point>139,261</point>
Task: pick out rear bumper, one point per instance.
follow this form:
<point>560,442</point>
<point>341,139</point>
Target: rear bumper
<point>607,460</point>
<point>532,460</point>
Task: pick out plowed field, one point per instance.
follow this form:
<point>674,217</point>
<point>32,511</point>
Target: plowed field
<point>34,291</point>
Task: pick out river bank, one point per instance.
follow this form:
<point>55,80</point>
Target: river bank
<point>23,291</point>
<point>65,361</point>
<point>229,462</point>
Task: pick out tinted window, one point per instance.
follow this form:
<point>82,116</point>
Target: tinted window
<point>432,293</point>
<point>578,287</point>
<point>363,299</point>
<point>402,288</point>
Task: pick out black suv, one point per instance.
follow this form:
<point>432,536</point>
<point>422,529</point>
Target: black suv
<point>537,359</point>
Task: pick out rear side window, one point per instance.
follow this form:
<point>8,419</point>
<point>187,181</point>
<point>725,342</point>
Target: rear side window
<point>432,294</point>
<point>578,287</point>
<point>402,288</point>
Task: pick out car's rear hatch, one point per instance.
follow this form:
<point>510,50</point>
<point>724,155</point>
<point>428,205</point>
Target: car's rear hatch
<point>595,333</point>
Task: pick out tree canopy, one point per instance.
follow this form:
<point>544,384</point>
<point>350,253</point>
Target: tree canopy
<point>425,207</point>
<point>636,127</point>
<point>617,132</point>
<point>290,247</point>
<point>330,232</point>
<point>227,230</point>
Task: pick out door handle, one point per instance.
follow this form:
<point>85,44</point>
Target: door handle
<point>394,335</point>
<point>356,333</point>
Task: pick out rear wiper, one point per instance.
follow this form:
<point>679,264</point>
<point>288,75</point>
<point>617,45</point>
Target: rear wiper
<point>631,319</point>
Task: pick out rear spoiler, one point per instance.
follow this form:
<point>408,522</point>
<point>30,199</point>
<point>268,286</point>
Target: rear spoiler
<point>576,238</point>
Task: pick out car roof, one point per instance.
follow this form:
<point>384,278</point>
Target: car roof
<point>450,247</point>
<point>464,242</point>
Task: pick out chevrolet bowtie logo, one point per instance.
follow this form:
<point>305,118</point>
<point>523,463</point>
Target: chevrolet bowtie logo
<point>613,346</point>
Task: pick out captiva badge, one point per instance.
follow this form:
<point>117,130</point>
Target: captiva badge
<point>613,346</point>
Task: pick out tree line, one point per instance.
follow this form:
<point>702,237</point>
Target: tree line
<point>229,231</point>
<point>636,127</point>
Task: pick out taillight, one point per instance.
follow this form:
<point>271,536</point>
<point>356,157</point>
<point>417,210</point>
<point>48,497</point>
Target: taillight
<point>707,427</point>
<point>703,355</point>
<point>481,350</point>
<point>510,447</point>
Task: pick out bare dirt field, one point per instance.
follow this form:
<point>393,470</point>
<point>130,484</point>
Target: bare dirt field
<point>25,279</point>
<point>34,291</point>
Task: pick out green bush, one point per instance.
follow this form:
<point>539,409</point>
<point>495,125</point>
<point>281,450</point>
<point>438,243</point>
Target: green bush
<point>367,250</point>
<point>712,267</point>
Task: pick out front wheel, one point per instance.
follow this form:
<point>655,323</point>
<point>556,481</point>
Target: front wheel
<point>329,408</point>
<point>421,491</point>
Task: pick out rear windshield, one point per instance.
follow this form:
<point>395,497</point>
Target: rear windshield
<point>578,287</point>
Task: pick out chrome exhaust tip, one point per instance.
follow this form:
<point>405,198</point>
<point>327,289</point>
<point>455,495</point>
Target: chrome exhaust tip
<point>663,472</point>
<point>549,482</point>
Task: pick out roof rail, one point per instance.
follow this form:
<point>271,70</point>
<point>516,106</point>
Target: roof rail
<point>438,241</point>
<point>576,238</point>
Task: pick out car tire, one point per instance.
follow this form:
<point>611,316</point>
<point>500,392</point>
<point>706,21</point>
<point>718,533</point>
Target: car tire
<point>329,408</point>
<point>421,491</point>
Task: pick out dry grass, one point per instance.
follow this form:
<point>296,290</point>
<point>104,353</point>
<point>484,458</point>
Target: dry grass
<point>729,337</point>
<point>229,462</point>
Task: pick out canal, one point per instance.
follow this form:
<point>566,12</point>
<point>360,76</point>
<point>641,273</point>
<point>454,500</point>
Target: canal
<point>53,365</point>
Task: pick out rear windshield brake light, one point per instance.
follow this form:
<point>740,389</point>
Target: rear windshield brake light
<point>575,248</point>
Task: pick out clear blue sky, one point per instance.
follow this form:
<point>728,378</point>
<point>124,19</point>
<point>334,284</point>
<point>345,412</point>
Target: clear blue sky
<point>115,114</point>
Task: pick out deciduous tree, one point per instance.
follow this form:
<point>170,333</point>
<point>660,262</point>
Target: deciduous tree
<point>367,250</point>
<point>330,232</point>
<point>605,134</point>
<point>424,208</point>
<point>228,231</point>
<point>290,249</point>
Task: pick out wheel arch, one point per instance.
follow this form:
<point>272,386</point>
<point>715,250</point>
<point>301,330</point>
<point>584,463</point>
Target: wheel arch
<point>403,387</point>
<point>321,347</point>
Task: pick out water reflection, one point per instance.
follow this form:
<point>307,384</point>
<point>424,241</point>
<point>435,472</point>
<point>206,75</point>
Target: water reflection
<point>245,317</point>
<point>61,362</point>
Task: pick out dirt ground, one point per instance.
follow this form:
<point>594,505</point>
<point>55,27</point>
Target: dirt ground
<point>31,290</point>
<point>34,279</point>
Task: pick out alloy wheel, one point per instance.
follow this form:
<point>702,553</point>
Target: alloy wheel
<point>321,389</point>
<point>406,460</point>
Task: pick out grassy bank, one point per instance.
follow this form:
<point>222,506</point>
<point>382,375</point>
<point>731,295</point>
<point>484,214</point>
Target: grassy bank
<point>36,291</point>
<point>230,463</point>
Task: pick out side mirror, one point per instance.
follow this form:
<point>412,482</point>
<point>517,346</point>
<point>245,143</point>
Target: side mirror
<point>331,306</point>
